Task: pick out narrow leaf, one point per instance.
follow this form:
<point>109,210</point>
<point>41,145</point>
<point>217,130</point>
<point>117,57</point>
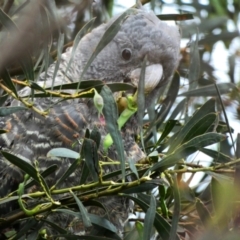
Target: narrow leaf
<point>8,81</point>
<point>26,167</point>
<point>89,149</point>
<point>208,107</point>
<point>202,126</point>
<point>188,148</point>
<point>144,187</point>
<point>216,155</point>
<point>176,210</point>
<point>149,219</point>
<point>84,213</point>
<point>111,116</point>
<point>63,152</point>
<point>68,172</point>
<point>161,225</point>
<point>133,168</point>
<point>210,90</point>
<point>96,136</point>
<point>141,100</point>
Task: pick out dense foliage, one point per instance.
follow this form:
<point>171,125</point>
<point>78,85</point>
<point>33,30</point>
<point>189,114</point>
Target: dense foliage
<point>190,117</point>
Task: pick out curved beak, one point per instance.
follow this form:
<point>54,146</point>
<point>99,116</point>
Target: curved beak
<point>153,75</point>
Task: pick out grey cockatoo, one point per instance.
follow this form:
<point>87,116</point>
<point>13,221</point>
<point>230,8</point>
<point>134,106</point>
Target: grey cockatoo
<point>30,136</point>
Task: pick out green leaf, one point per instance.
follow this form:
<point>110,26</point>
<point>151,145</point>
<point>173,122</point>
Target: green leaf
<point>143,187</point>
<point>51,169</point>
<point>210,90</point>
<point>7,22</point>
<point>221,178</point>
<point>63,153</point>
<point>216,155</point>
<point>68,172</point>
<point>179,108</point>
<point>102,222</point>
<point>22,164</point>
<point>97,220</point>
<point>83,210</point>
<point>133,167</point>
<point>161,225</point>
<point>149,219</point>
<point>162,200</point>
<point>35,86</point>
<point>90,154</point>
<point>7,80</point>
<point>168,128</point>
<point>84,174</point>
<point>111,115</point>
<point>188,148</point>
<point>141,100</point>
<point>86,85</point>
<point>139,228</point>
<point>176,140</point>
<point>176,209</point>
<point>26,167</point>
<point>225,35</point>
<point>96,136</point>
<point>8,199</point>
<point>201,141</point>
<point>201,126</point>
<point>165,106</point>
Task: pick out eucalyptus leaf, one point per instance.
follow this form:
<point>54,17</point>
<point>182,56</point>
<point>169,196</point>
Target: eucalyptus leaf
<point>149,218</point>
<point>63,153</point>
<point>177,209</point>
<point>188,148</point>
<point>84,213</point>
<point>89,149</point>
<point>68,172</point>
<point>25,166</point>
<point>210,90</point>
<point>161,225</point>
<point>111,115</point>
<point>208,107</point>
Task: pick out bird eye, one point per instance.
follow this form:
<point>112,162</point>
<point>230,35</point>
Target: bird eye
<point>126,54</point>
